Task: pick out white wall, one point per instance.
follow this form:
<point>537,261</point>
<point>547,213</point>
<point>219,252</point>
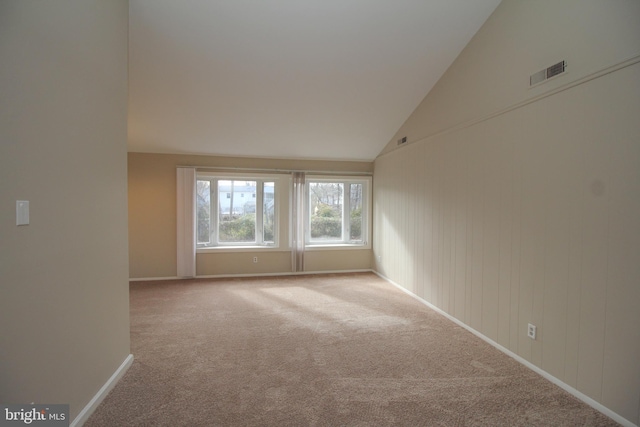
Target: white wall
<point>513,205</point>
<point>63,130</point>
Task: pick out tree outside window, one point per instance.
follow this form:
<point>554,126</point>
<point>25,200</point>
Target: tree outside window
<point>335,211</point>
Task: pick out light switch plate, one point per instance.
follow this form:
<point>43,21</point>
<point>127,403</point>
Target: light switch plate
<point>22,212</point>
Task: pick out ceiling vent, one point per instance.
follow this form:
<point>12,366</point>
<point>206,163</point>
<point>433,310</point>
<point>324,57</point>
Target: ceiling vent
<point>547,73</point>
<point>402,140</point>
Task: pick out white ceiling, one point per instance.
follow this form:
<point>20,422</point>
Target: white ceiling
<point>312,79</point>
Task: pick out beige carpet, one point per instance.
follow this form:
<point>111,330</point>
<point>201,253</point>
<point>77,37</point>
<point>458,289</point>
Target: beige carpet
<point>331,350</point>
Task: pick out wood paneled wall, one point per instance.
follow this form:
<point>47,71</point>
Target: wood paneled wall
<point>531,216</point>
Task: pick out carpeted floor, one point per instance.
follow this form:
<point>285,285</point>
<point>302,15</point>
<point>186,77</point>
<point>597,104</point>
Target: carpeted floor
<point>330,350</point>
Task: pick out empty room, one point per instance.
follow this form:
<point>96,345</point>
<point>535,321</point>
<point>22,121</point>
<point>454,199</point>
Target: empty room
<point>320,212</point>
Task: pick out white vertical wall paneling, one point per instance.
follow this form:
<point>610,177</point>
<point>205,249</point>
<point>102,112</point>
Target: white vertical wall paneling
<point>407,229</point>
<point>436,244</point>
<point>540,140</point>
<point>377,225</point>
<point>574,278</point>
<point>436,266</point>
<point>395,197</point>
<point>459,173</point>
<point>505,177</point>
<point>441,182</point>
<point>391,250</point>
<point>445,239</point>
<point>466,141</point>
<point>540,186</point>
<point>386,188</point>
<point>512,133</point>
<point>409,215</point>
<point>561,166</point>
<point>530,168</point>
<point>448,196</point>
<point>415,158</point>
<point>476,168</point>
<point>380,217</point>
<point>531,216</point>
<point>427,256</point>
<point>420,226</point>
<point>381,237</point>
<point>620,386</point>
<point>398,200</point>
<point>493,165</point>
<point>438,284</point>
<point>392,255</point>
<point>594,266</point>
<point>415,219</point>
<point>377,220</point>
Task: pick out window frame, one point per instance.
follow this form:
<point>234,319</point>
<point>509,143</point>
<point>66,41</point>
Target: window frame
<point>258,244</point>
<point>345,242</point>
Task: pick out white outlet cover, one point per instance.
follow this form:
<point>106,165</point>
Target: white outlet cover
<point>22,212</point>
<point>531,331</point>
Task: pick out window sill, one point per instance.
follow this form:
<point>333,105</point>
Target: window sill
<point>337,246</point>
<point>240,249</point>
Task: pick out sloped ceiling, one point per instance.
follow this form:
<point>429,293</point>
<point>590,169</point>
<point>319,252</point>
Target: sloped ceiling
<point>311,79</point>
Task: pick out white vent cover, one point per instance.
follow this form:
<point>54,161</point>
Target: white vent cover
<point>547,73</point>
<point>402,140</point>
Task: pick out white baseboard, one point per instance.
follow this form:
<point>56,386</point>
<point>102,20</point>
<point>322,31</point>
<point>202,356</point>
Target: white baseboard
<point>586,399</point>
<point>151,279</point>
<point>294,273</point>
<point>239,276</point>
<point>86,412</point>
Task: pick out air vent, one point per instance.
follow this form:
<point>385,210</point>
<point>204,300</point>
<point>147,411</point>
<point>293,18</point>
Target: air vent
<point>547,73</point>
<point>402,140</point>
<point>556,69</point>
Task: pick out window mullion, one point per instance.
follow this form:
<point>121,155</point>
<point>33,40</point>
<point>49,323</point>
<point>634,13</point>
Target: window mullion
<point>259,211</point>
<point>213,217</point>
<point>346,212</point>
<point>308,212</point>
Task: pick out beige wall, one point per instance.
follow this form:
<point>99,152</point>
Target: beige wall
<point>152,220</point>
<point>508,207</point>
<point>493,72</point>
<point>64,304</point>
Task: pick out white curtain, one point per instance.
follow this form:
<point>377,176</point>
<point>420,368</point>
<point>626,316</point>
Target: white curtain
<point>186,216</point>
<point>297,250</point>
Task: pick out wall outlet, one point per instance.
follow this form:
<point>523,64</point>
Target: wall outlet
<point>22,212</point>
<point>531,331</point>
<point>255,259</point>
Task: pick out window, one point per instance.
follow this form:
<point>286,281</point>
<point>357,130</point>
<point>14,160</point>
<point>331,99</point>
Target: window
<point>246,211</point>
<point>337,211</point>
<point>226,218</point>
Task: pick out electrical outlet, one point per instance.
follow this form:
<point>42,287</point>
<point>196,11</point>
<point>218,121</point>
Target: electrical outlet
<point>531,331</point>
<point>255,259</point>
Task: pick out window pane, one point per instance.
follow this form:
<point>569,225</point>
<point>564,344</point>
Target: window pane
<point>355,216</point>
<point>269,213</point>
<point>237,213</point>
<point>203,210</point>
<point>325,208</point>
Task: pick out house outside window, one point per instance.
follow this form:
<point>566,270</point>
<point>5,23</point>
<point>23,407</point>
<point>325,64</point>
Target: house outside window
<point>228,216</point>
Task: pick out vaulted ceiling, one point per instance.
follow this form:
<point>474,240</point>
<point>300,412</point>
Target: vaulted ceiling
<point>312,79</point>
